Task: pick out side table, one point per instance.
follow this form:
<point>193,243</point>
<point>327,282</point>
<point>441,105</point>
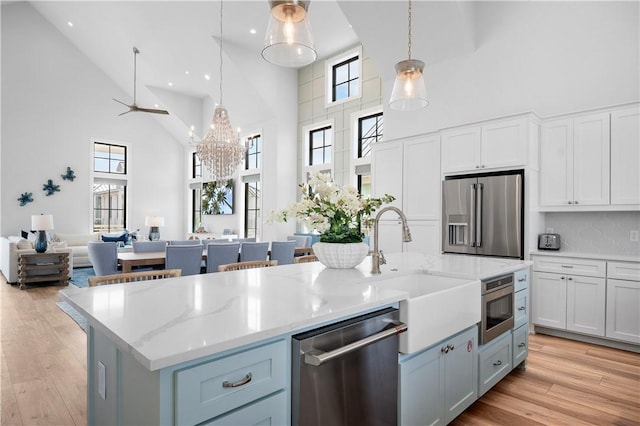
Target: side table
<point>43,267</point>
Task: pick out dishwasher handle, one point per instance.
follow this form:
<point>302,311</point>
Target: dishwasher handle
<point>317,358</point>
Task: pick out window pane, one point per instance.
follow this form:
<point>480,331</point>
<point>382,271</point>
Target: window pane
<point>342,91</point>
<point>327,155</point>
<point>354,87</point>
<point>101,165</point>
<point>109,214</point>
<point>258,160</point>
<point>317,139</point>
<point>342,74</point>
<point>328,137</point>
<point>354,69</point>
<point>367,125</point>
<point>317,157</point>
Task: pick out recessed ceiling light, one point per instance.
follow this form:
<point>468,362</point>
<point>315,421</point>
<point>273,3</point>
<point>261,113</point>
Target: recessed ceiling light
<point>156,105</point>
<point>207,77</point>
<point>170,84</point>
<point>186,72</point>
<point>69,23</point>
<point>252,31</point>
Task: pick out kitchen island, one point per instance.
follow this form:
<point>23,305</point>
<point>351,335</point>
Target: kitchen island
<point>151,345</point>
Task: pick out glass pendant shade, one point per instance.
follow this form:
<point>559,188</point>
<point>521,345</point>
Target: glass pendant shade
<point>220,150</point>
<point>409,92</point>
<point>288,42</point>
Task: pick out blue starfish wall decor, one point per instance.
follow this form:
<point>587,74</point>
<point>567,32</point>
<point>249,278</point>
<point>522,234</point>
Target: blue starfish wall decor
<point>50,188</point>
<point>70,175</point>
<point>25,198</point>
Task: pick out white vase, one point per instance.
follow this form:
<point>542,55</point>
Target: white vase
<point>340,256</point>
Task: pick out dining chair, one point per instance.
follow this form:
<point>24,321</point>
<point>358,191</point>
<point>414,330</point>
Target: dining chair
<point>148,246</point>
<point>301,240</point>
<point>188,258</point>
<point>103,256</point>
<point>221,254</point>
<point>247,265</point>
<point>253,251</point>
<point>185,242</point>
<point>306,259</point>
<point>283,252</point>
<point>133,277</point>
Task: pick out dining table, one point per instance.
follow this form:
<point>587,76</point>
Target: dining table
<point>128,260</point>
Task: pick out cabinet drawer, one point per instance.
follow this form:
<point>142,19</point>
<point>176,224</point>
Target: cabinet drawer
<point>200,393</point>
<point>520,344</point>
<point>521,308</point>
<point>269,411</point>
<point>495,362</point>
<point>623,270</point>
<point>521,279</point>
<point>570,265</point>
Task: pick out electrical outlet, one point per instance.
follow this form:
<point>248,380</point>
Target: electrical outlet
<point>549,231</point>
<point>633,235</point>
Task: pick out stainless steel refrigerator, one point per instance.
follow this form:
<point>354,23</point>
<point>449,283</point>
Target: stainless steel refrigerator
<point>484,214</point>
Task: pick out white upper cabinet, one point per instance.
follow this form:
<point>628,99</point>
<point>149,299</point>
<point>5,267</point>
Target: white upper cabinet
<point>625,155</point>
<point>574,161</point>
<point>491,145</point>
<point>386,170</point>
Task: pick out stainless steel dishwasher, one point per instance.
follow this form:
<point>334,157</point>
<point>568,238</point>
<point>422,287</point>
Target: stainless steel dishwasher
<point>347,373</point>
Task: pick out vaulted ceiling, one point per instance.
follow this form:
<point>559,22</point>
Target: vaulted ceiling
<point>178,43</point>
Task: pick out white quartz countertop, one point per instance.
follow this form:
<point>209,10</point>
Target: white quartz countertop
<point>598,256</point>
<point>167,322</point>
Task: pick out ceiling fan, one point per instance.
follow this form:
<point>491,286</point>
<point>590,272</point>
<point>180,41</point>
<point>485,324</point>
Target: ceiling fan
<point>133,106</point>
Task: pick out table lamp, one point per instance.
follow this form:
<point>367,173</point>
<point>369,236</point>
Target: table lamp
<point>154,222</point>
<point>41,223</point>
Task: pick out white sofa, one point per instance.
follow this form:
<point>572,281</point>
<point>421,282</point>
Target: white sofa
<point>11,246</point>
<point>78,244</point>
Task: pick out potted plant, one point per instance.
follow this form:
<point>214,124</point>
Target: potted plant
<point>339,213</point>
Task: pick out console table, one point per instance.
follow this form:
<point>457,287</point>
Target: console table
<point>43,267</point>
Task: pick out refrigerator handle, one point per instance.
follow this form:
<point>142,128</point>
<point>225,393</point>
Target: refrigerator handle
<point>472,221</point>
<point>480,219</point>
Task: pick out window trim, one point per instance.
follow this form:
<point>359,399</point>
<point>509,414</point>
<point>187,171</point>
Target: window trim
<point>112,178</point>
<point>329,65</point>
<point>306,133</point>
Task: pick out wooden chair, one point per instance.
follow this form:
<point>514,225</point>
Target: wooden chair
<point>305,259</point>
<point>247,265</point>
<point>134,277</point>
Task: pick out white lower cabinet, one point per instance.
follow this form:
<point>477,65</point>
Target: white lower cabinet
<point>439,383</point>
<point>495,362</point>
<point>549,300</point>
<point>623,314</point>
<point>586,304</point>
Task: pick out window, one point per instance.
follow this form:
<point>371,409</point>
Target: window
<point>254,152</point>
<point>320,144</point>
<point>343,77</point>
<point>196,166</point>
<point>346,79</point>
<point>252,217</point>
<point>369,132</point>
<point>364,185</point>
<point>109,187</point>
<point>196,212</point>
<point>109,158</point>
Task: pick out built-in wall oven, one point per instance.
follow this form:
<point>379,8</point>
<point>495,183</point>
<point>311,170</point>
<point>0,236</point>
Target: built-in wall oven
<point>497,307</point>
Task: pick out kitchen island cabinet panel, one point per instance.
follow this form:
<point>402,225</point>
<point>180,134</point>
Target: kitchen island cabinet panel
<point>520,344</point>
<point>495,362</point>
<point>439,383</point>
<point>268,411</point>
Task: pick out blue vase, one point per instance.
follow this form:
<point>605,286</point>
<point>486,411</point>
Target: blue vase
<point>41,242</point>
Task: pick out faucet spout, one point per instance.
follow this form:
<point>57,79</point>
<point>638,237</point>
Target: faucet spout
<point>376,258</point>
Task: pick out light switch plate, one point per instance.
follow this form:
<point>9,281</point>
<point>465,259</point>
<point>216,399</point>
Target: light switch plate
<point>633,235</point>
<point>102,380</point>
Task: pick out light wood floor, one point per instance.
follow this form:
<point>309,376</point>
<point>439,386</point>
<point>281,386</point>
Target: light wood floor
<point>566,383</point>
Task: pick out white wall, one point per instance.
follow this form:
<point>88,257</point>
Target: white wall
<point>545,57</point>
<point>54,101</point>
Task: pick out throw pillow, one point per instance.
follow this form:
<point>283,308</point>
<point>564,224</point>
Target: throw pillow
<point>24,244</point>
<point>58,244</point>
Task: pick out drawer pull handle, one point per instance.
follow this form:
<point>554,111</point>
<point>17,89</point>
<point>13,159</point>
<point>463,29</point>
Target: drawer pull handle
<point>567,266</point>
<point>239,383</point>
<point>522,279</point>
<point>522,345</point>
<point>497,363</point>
<point>522,308</point>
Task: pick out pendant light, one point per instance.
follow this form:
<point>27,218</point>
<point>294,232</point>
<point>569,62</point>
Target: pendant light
<point>288,42</point>
<point>220,151</point>
<point>409,92</point>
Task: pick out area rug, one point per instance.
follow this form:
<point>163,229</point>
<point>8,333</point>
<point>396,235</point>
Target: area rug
<point>81,275</point>
<point>75,315</point>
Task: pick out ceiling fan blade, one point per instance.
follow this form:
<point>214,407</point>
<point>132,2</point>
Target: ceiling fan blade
<point>120,102</point>
<point>153,111</point>
<point>126,112</point>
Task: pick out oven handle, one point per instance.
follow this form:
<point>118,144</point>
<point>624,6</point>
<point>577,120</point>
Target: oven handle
<point>316,357</point>
<point>497,294</point>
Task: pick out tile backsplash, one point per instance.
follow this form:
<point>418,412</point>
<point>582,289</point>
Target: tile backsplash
<point>596,232</point>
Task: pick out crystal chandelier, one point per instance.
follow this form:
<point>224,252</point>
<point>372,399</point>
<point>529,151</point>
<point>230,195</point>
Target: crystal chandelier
<point>409,92</point>
<point>220,151</point>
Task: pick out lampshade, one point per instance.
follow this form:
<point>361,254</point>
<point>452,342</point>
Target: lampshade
<point>41,222</point>
<point>288,42</point>
<point>154,221</point>
<point>409,92</point>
